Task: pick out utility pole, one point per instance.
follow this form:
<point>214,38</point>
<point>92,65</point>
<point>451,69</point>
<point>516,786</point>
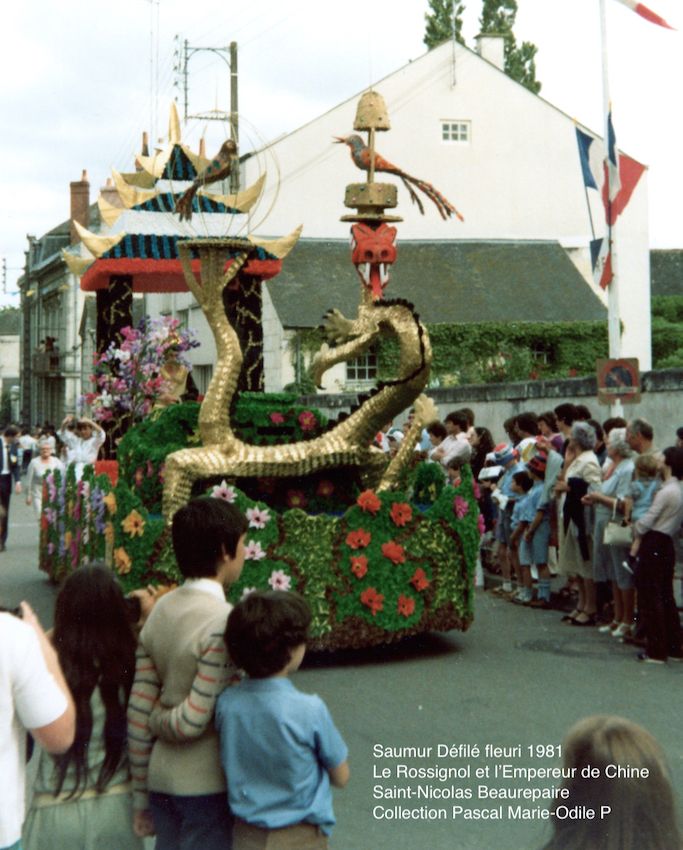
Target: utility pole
<point>229,56</point>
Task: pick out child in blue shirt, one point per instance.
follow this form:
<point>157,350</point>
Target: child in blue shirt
<point>522,514</point>
<point>279,748</point>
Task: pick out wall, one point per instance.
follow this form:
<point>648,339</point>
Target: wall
<point>661,401</point>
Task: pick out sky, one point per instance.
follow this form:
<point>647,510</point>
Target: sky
<point>83,78</point>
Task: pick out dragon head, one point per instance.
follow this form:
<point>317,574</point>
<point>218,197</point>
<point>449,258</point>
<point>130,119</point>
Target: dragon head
<point>373,251</point>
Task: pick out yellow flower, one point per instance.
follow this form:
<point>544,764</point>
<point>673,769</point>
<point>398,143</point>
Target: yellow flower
<point>133,524</point>
<point>122,561</point>
<point>67,539</point>
<point>110,502</point>
<point>109,533</point>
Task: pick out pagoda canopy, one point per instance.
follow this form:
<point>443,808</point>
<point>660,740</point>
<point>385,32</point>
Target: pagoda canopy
<point>140,233</point>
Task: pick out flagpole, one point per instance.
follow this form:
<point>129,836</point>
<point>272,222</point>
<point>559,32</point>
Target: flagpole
<point>613,314</point>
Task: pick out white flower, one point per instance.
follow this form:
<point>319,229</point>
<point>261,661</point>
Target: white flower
<point>121,355</point>
<point>247,591</point>
<point>253,551</point>
<point>224,491</point>
<point>257,518</point>
<point>279,580</point>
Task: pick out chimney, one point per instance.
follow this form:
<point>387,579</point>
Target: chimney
<point>80,204</point>
<point>491,46</point>
<point>110,194</point>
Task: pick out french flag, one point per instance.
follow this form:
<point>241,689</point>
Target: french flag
<point>646,13</point>
<point>615,176</point>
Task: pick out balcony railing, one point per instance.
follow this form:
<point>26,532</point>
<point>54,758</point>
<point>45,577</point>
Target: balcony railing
<point>53,363</point>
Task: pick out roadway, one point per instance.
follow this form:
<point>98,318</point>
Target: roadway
<point>516,678</point>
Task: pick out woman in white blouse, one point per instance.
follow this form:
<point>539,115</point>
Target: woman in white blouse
<point>45,462</point>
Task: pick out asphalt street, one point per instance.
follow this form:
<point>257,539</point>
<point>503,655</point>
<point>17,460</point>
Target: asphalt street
<point>517,679</point>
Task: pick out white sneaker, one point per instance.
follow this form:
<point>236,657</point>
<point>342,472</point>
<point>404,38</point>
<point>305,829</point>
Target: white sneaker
<point>609,629</point>
<point>623,630</point>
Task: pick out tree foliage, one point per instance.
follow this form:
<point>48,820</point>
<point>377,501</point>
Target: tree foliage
<point>441,18</point>
<point>498,17</point>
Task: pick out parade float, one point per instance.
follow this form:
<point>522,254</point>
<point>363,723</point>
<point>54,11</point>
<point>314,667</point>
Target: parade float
<point>381,548</point>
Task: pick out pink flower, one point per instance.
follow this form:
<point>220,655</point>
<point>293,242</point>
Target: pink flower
<point>481,525</point>
<point>476,490</point>
<point>460,507</point>
<point>277,418</point>
<point>253,551</point>
<point>257,518</point>
<point>224,491</point>
<point>279,580</point>
<point>308,421</point>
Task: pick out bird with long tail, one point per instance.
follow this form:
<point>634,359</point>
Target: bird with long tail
<point>360,154</point>
<point>218,169</point>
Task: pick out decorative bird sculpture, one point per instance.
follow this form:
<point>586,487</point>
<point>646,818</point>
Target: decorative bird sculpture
<point>218,169</point>
<point>360,154</point>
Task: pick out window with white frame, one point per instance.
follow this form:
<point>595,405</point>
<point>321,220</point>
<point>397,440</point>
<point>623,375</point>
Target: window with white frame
<point>362,370</point>
<point>455,131</point>
<point>202,375</point>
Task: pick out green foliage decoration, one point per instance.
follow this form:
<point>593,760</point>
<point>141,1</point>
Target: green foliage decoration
<point>428,483</point>
<point>258,418</point>
<point>420,564</point>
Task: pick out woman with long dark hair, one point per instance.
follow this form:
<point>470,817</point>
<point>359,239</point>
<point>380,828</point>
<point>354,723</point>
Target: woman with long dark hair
<point>82,798</point>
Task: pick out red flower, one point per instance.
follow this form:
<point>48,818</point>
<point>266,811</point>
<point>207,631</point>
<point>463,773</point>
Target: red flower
<point>296,499</point>
<point>277,418</point>
<point>308,421</point>
<point>358,539</point>
<point>401,513</point>
<point>373,600</point>
<point>419,580</point>
<point>406,605</point>
<point>359,566</point>
<point>325,488</point>
<point>394,552</point>
<point>369,501</point>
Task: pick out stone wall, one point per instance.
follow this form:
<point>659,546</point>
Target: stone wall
<point>661,401</point>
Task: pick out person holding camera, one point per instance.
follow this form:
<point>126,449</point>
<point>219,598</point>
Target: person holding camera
<point>34,696</point>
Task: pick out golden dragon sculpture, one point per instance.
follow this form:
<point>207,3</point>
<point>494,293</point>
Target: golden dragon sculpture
<point>347,443</point>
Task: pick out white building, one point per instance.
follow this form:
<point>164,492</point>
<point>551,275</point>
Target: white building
<point>505,157</point>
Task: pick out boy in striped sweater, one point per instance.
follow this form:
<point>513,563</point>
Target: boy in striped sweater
<point>179,789</point>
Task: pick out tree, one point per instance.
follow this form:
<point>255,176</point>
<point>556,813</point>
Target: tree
<point>498,16</point>
<point>444,15</point>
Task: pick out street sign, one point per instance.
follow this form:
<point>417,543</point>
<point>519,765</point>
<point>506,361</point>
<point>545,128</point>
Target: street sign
<point>618,380</point>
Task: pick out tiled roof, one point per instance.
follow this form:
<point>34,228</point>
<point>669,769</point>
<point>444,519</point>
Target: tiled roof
<point>448,282</point>
<point>666,272</point>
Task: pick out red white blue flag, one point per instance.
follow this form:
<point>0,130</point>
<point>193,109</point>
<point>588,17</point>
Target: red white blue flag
<point>622,171</point>
<point>601,261</point>
<point>646,13</point>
